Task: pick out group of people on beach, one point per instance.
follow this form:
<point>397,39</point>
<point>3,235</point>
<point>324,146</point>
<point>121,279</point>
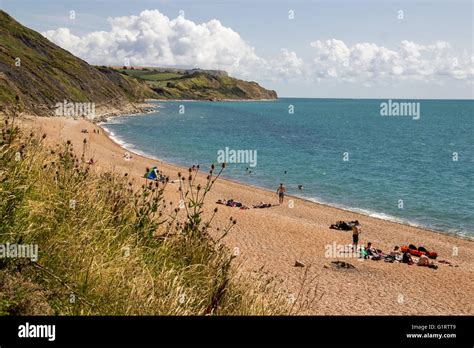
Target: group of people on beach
<point>281,190</point>
<point>84,130</point>
<point>396,255</point>
<point>237,204</point>
<point>233,203</point>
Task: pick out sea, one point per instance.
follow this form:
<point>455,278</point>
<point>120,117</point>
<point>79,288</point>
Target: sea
<point>408,161</point>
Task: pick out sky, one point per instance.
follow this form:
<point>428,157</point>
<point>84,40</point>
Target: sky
<point>412,49</point>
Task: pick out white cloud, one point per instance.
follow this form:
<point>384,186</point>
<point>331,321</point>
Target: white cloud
<point>153,39</point>
<point>333,58</point>
<point>286,65</point>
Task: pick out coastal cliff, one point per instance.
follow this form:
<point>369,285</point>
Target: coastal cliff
<point>43,74</point>
<point>198,84</point>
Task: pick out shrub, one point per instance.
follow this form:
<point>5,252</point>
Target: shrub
<point>108,247</point>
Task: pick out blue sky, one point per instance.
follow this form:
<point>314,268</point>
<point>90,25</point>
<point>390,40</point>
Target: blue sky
<point>331,48</point>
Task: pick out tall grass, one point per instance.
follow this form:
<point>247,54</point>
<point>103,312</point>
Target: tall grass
<point>108,247</point>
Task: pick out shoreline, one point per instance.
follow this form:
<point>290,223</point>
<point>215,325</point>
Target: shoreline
<point>207,100</point>
<point>351,210</point>
<point>271,240</point>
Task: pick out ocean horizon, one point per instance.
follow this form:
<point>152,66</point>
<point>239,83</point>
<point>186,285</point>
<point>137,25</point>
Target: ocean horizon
<point>414,169</point>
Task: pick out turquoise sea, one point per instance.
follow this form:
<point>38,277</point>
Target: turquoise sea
<point>343,152</point>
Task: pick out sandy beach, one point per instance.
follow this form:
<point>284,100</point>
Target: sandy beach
<point>271,240</point>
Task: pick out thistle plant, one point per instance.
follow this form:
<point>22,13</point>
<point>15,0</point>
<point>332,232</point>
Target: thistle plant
<point>110,244</point>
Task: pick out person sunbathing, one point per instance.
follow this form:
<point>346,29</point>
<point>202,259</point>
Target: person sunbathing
<point>262,205</point>
<point>424,261</point>
<point>373,253</point>
<point>230,203</point>
<point>407,258</point>
<point>342,225</point>
<point>449,263</point>
<point>396,251</point>
<point>395,254</point>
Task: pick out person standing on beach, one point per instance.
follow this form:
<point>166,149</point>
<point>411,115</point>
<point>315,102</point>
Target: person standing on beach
<point>281,193</point>
<point>355,234</point>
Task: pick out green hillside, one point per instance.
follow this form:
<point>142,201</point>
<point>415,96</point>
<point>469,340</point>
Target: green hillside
<point>198,84</point>
<point>43,74</point>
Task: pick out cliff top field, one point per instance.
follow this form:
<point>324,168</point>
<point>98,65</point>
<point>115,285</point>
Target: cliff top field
<point>198,84</point>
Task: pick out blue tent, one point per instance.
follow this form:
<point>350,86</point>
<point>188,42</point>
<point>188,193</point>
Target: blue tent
<point>152,174</point>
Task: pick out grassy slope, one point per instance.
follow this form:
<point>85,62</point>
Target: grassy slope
<point>200,85</point>
<point>110,253</point>
<point>48,74</point>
